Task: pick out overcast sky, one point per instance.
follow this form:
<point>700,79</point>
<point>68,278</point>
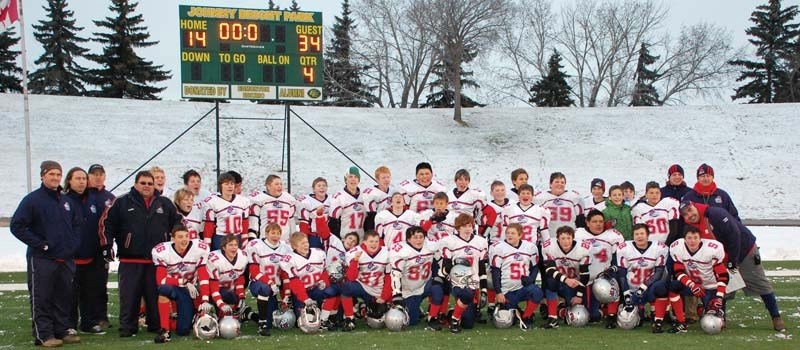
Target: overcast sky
<point>161,17</point>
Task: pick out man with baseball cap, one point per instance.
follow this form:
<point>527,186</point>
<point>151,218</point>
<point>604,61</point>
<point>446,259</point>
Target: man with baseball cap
<point>741,251</point>
<point>102,200</point>
<point>705,191</point>
<point>47,222</point>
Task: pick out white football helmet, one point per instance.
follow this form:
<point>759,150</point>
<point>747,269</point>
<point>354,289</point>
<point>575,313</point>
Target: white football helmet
<point>461,276</point>
<point>309,321</point>
<point>335,272</point>
<point>577,316</point>
<point>229,327</point>
<point>396,319</point>
<point>606,290</point>
<point>713,321</point>
<point>503,318</point>
<point>283,319</point>
<point>628,317</point>
<point>206,327</point>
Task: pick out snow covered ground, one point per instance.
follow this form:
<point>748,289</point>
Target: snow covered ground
<point>776,243</point>
<point>752,148</point>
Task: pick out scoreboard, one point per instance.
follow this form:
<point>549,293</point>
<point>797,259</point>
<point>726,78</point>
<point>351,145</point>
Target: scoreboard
<point>250,54</point>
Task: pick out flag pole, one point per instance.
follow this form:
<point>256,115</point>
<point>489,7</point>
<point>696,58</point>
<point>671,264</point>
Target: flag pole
<point>25,97</point>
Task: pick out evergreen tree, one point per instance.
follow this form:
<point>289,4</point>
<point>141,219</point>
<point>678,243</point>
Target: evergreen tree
<point>343,86</point>
<point>553,89</point>
<point>644,93</point>
<point>122,73</point>
<point>295,6</point>
<point>772,35</point>
<point>791,92</point>
<point>10,72</point>
<point>442,93</point>
<point>271,6</point>
<point>59,74</point>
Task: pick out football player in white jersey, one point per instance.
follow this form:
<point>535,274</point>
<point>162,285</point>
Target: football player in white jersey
<point>493,229</point>
<point>519,177</point>
<point>264,257</point>
<point>442,220</point>
<point>699,270</point>
<point>310,204</point>
<point>642,274</point>
<point>272,206</point>
<point>603,247</point>
<point>464,199</point>
<point>533,218</point>
<point>566,262</point>
<point>411,262</point>
<point>470,249</point>
<point>566,207</point>
<point>513,262</point>
<point>193,183</point>
<point>419,192</point>
<point>661,215</point>
<point>191,213</point>
<point>306,277</point>
<point>368,278</point>
<point>177,263</point>
<point>225,213</point>
<point>222,281</point>
<point>598,190</point>
<point>391,224</point>
<point>347,206</point>
<point>377,198</point>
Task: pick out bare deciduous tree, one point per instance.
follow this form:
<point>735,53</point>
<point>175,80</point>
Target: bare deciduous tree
<point>457,25</point>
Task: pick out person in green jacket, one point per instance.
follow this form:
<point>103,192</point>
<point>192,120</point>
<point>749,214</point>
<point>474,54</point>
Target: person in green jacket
<point>617,213</point>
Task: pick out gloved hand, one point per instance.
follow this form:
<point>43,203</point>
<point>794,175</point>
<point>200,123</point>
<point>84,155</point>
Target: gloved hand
<point>108,253</point>
<point>286,299</point>
<point>275,288</point>
<point>610,272</point>
<point>697,291</point>
<point>438,217</point>
<point>193,292</point>
<point>310,302</point>
<point>715,303</point>
<point>732,266</point>
<point>321,285</point>
<point>226,309</point>
<point>206,308</point>
<point>397,299</point>
<point>641,291</point>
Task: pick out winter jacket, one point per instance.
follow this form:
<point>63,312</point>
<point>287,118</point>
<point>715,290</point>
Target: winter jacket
<point>718,198</point>
<point>620,216</point>
<point>136,228</point>
<point>46,217</point>
<point>673,191</point>
<point>735,237</point>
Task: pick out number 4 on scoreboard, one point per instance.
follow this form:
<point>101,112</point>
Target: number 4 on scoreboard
<point>308,75</point>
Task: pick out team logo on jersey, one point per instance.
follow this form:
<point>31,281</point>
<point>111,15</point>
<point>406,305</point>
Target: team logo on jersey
<point>454,206</point>
<point>517,257</point>
<point>230,210</point>
<point>427,195</point>
<point>522,220</point>
<point>371,266</point>
<point>108,202</point>
<point>653,213</point>
<point>718,200</point>
<point>274,258</point>
<point>357,207</point>
<point>396,225</point>
<point>467,250</point>
<point>93,209</point>
<point>642,262</point>
<point>160,210</point>
<point>691,265</point>
<point>66,206</point>
<point>439,226</point>
<point>232,274</point>
<point>276,204</point>
<point>308,267</point>
<point>557,202</point>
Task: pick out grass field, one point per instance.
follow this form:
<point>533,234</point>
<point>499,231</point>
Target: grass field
<point>749,327</point>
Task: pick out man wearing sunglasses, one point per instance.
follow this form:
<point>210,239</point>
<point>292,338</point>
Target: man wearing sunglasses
<point>137,222</point>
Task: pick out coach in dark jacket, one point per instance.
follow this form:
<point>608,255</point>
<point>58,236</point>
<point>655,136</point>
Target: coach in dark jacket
<point>137,222</point>
<point>101,198</point>
<point>676,186</point>
<point>705,191</point>
<point>740,250</point>
<point>48,222</point>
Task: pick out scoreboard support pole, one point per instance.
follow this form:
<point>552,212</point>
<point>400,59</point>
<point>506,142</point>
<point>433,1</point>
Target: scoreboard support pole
<point>288,149</point>
<point>216,108</point>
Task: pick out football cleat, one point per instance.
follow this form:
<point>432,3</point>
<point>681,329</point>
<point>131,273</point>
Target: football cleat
<point>658,326</point>
<point>328,325</point>
<point>778,324</point>
<point>263,328</point>
<point>679,328</point>
<point>349,325</point>
<point>611,321</point>
<point>552,322</point>
<point>526,323</point>
<point>162,337</point>
<point>490,312</point>
<point>434,324</point>
<point>455,325</point>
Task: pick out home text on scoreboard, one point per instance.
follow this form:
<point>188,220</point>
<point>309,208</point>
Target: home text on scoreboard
<point>250,54</point>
